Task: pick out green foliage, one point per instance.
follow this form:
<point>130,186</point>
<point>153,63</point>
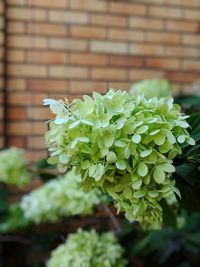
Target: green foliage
<point>15,220</point>
<point>4,205</point>
<point>88,249</point>
<point>59,198</point>
<point>45,170</point>
<point>13,169</point>
<point>160,245</point>
<point>187,169</point>
<point>152,88</point>
<point>190,103</point>
<point>122,144</point>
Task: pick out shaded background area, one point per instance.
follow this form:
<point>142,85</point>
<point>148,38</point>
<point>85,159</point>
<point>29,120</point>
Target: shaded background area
<point>67,48</point>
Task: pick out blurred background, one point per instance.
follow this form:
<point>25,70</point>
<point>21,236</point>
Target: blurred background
<point>68,48</point>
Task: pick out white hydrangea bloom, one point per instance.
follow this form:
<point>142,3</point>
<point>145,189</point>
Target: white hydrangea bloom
<point>88,249</point>
<point>58,198</point>
<point>13,168</point>
<point>123,144</point>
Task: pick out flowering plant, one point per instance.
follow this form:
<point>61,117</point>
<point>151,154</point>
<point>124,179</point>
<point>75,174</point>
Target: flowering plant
<point>88,249</point>
<point>13,169</point>
<point>152,88</point>
<point>123,144</point>
<point>58,198</point>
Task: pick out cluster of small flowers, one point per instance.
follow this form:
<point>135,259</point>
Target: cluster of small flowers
<point>122,144</point>
<point>152,88</point>
<point>59,198</point>
<point>88,249</point>
<point>13,168</point>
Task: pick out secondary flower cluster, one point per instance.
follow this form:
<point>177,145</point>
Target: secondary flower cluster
<point>88,249</point>
<point>13,169</point>
<point>150,88</point>
<point>122,144</point>
<point>59,198</point>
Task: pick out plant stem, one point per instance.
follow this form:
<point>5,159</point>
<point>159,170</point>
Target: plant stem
<point>112,218</point>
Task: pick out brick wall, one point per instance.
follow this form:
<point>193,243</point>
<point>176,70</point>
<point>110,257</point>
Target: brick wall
<point>1,72</point>
<point>67,48</point>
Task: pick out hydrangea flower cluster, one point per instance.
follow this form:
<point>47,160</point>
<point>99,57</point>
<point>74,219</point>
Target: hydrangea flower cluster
<point>150,88</point>
<point>123,144</point>
<point>59,198</point>
<point>13,168</point>
<point>88,249</point>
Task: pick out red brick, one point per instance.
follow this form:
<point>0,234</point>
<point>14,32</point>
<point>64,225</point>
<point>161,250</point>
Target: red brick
<point>119,85</point>
<point>1,142</point>
<point>48,29</point>
<point>127,9</point>
<point>16,84</point>
<point>36,142</point>
<point>182,77</point>
<point>146,23</point>
<point>165,38</point>
<point>48,85</point>
<point>126,35</point>
<point>90,5</point>
<point>16,113</point>
<point>108,20</point>
<point>2,23</point>
<point>82,87</point>
<point>109,74</point>
<point>182,26</point>
<point>143,74</point>
<point>182,3</point>
<point>35,155</point>
<point>1,7</point>
<point>39,113</point>
<point>25,70</point>
<point>163,63</point>
<point>181,51</point>
<point>24,99</point>
<point>17,141</point>
<point>26,14</point>
<point>191,39</point>
<point>26,128</point>
<point>126,61</point>
<point>109,47</point>
<point>191,65</point>
<point>87,32</point>
<point>15,56</point>
<point>68,17</point>
<point>192,14</point>
<point>68,72</point>
<point>48,3</point>
<point>68,44</point>
<point>23,41</point>
<point>147,49</point>
<point>1,53</point>
<point>88,59</point>
<point>165,12</point>
<point>15,27</point>
<point>46,57</point>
